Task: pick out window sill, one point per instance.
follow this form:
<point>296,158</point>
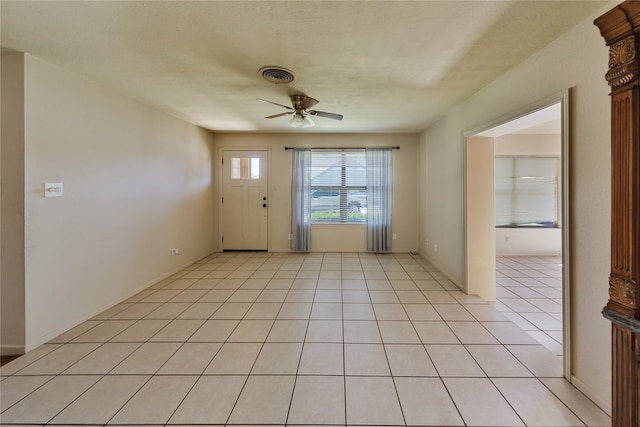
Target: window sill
<point>530,227</point>
<point>337,223</point>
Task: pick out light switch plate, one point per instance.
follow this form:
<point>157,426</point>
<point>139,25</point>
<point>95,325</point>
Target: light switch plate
<point>53,189</point>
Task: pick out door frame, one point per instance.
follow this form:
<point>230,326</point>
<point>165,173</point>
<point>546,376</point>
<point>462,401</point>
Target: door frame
<point>564,100</point>
<point>219,189</point>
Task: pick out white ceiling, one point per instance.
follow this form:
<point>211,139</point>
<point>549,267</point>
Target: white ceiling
<point>387,66</point>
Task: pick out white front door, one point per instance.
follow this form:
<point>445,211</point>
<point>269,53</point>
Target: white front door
<point>244,200</point>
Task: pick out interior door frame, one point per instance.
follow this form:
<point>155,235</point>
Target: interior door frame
<point>564,99</point>
<point>220,189</point>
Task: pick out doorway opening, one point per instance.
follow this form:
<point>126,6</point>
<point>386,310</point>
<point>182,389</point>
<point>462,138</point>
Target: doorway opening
<point>517,229</point>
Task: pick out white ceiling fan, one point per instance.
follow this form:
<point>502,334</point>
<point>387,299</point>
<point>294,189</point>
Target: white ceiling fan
<point>301,112</point>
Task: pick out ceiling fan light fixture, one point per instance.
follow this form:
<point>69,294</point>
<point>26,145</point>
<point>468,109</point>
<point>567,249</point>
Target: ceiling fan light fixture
<point>298,120</point>
<point>308,122</point>
<point>300,111</point>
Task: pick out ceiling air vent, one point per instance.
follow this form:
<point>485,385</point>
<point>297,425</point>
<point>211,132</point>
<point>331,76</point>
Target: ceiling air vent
<point>277,75</point>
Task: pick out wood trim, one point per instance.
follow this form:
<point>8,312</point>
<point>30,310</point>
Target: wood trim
<point>620,28</point>
<point>619,22</point>
<point>625,201</point>
<point>625,356</point>
<point>637,386</point>
<point>623,66</point>
<point>625,394</point>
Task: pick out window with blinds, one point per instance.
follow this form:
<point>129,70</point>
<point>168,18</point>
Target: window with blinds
<point>526,191</point>
<point>338,187</point>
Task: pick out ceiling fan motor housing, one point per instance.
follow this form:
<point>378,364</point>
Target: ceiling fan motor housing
<point>300,109</point>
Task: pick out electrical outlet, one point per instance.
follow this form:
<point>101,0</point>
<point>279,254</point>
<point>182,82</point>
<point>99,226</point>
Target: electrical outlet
<point>175,251</point>
<point>426,240</point>
<point>435,248</point>
<point>289,236</point>
<point>395,236</point>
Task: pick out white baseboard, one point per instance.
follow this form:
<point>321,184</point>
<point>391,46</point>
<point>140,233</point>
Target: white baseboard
<point>604,405</point>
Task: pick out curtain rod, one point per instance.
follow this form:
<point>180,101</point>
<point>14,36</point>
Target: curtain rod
<point>340,148</point>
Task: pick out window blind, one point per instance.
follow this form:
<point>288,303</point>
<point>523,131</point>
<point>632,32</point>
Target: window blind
<point>338,187</point>
<point>526,191</point>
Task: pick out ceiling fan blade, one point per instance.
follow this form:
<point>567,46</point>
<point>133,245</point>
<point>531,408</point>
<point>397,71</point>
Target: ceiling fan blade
<point>279,115</point>
<point>308,102</point>
<point>325,114</point>
<point>275,103</point>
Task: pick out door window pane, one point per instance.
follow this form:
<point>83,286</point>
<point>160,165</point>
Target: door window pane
<point>245,168</point>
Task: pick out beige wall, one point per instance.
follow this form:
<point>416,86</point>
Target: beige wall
<point>480,232</point>
<point>576,60</point>
<point>528,242</point>
<point>525,144</point>
<point>339,237</point>
<point>136,184</point>
<point>12,333</point>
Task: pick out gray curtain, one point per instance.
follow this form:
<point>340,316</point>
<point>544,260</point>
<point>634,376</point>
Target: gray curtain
<point>301,201</point>
<point>379,199</point>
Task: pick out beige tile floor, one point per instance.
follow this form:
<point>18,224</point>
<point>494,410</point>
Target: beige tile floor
<point>287,339</point>
<point>529,293</point>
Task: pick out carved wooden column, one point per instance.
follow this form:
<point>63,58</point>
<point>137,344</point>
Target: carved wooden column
<point>620,28</point>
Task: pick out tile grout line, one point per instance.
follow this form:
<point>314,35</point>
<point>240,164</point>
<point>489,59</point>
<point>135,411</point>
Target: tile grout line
<point>304,340</point>
<point>344,307</point>
<point>344,350</point>
<point>254,362</point>
<point>386,355</point>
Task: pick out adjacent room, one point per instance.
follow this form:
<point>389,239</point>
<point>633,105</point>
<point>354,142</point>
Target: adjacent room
<point>262,213</point>
<point>526,218</point>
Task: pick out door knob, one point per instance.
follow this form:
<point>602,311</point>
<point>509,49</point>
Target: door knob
<point>264,198</point>
<point>264,205</point>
